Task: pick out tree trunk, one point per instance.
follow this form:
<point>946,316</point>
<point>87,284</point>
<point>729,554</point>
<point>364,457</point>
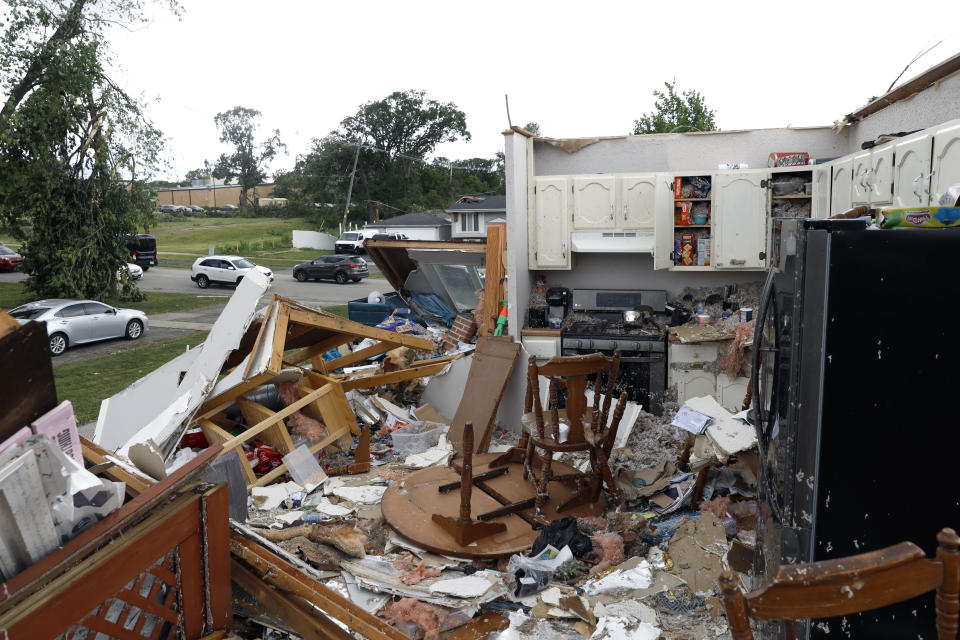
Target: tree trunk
<point>70,26</point>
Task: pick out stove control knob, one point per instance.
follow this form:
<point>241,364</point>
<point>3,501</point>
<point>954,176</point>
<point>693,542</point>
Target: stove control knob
<point>637,346</point>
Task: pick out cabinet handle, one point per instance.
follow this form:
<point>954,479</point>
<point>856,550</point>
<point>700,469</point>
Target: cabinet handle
<point>737,261</point>
<point>611,212</point>
<point>916,183</point>
<point>564,249</point>
<point>930,182</point>
<point>624,212</point>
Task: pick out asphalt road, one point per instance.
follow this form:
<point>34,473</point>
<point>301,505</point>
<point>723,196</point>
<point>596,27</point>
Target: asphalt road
<point>311,293</point>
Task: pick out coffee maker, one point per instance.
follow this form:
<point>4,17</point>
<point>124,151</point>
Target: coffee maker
<point>558,301</point>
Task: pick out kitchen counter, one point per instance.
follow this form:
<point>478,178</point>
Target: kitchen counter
<point>547,333</point>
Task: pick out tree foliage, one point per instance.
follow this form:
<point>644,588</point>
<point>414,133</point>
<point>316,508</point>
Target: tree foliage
<point>533,127</point>
<point>394,136</point>
<point>674,112</point>
<point>248,161</point>
<point>74,147</point>
<point>203,173</point>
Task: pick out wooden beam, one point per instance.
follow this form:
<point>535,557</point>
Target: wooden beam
<point>276,435</point>
<point>394,376</point>
<point>283,575</point>
<point>279,338</point>
<point>273,302</point>
<point>215,405</point>
<point>98,455</point>
<point>280,415</point>
<point>317,349</point>
<point>214,433</point>
<point>357,356</point>
<point>466,247</point>
<point>493,292</point>
<point>342,325</point>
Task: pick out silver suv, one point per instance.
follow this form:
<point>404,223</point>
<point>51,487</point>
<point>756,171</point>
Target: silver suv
<point>223,270</point>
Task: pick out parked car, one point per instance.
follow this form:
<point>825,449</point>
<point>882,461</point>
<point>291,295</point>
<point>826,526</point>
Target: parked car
<point>389,236</point>
<point>167,208</point>
<point>143,250</point>
<point>71,322</point>
<point>135,272</point>
<point>339,268</point>
<point>352,241</point>
<point>223,270</point>
<point>9,259</point>
<point>195,208</point>
<point>228,207</point>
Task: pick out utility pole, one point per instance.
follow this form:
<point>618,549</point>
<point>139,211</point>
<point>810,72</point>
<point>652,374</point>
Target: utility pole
<point>346,207</point>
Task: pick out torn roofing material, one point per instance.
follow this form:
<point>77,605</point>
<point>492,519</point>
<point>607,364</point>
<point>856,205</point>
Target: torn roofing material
<point>168,397</point>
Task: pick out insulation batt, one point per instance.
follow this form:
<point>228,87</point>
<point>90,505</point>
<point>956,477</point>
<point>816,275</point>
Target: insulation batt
<point>428,617</point>
<point>610,546</point>
<point>307,427</point>
<point>349,540</point>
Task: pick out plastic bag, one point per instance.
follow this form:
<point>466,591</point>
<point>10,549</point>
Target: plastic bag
<point>534,573</point>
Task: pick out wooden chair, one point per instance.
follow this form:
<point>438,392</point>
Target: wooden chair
<point>541,432</point>
<point>850,585</point>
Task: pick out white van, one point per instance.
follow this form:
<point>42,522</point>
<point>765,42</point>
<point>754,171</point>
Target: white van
<point>352,241</point>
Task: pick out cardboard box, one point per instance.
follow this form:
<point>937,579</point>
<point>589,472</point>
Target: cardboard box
<point>685,217</point>
<point>788,159</point>
<point>703,252</point>
<point>677,187</point>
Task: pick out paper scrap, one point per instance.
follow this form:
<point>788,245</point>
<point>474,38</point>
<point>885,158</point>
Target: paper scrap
<point>270,497</point>
<point>472,586</point>
<point>622,628</point>
<point>691,420</point>
<point>639,577</point>
<point>367,494</point>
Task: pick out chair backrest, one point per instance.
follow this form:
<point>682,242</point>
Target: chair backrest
<point>574,371</point>
<point>850,585</point>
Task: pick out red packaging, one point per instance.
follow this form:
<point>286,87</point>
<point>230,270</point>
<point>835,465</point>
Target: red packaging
<point>267,458</point>
<point>686,249</point>
<point>677,187</point>
<point>194,439</point>
<point>685,208</point>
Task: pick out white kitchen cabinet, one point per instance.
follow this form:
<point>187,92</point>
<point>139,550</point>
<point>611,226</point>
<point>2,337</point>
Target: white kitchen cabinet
<point>860,192</point>
<point>692,383</point>
<point>912,170</point>
<point>637,200</point>
<point>663,211</point>
<point>541,347</point>
<point>822,174</point>
<point>946,160</point>
<point>551,238</point>
<point>842,182</point>
<point>594,202</point>
<point>880,180</point>
<point>731,392</point>
<point>740,220</point>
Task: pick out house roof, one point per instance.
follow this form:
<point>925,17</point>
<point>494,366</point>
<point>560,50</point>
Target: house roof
<point>480,203</point>
<point>411,220</point>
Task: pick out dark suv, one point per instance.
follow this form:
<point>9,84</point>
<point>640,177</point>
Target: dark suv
<point>336,267</point>
<point>143,250</point>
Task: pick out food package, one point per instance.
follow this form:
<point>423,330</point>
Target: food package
<point>678,187</point>
<point>788,159</point>
<point>685,208</point>
<point>703,251</point>
<point>686,249</point>
<point>701,187</point>
<point>927,217</point>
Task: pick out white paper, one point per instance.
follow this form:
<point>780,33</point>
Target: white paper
<point>270,497</point>
<point>472,586</point>
<point>639,577</point>
<point>367,494</point>
<point>621,628</point>
<point>691,420</point>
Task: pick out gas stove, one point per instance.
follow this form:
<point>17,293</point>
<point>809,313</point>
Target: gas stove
<point>598,326</point>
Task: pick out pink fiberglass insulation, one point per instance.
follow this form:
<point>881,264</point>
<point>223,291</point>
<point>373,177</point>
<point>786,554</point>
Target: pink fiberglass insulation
<point>610,547</point>
<point>288,392</point>
<point>306,426</point>
<point>428,617</point>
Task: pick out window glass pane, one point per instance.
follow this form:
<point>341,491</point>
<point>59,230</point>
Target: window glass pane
<point>243,263</point>
<point>28,313</point>
<point>72,311</point>
<point>210,263</point>
<point>95,308</point>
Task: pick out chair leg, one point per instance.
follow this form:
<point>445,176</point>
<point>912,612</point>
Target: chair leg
<point>736,607</point>
<point>948,593</point>
<point>546,473</point>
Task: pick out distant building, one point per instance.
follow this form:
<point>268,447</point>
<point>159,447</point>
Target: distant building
<point>471,214</point>
<point>416,226</point>
<point>212,197</point>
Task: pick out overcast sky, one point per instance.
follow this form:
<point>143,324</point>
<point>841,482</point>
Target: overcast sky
<point>579,69</point>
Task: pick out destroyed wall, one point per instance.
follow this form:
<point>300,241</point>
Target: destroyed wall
<point>684,151</point>
<point>932,106</point>
<point>518,150</point>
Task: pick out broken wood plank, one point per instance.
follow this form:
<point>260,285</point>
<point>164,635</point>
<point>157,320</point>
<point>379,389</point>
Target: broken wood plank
<point>278,416</point>
<point>215,506</point>
<point>272,475</point>
<point>26,378</point>
<point>276,435</point>
<point>317,350</point>
<point>342,325</point>
<point>263,324</point>
<point>214,433</point>
<point>98,455</point>
<point>279,338</point>
<point>356,356</point>
<point>285,576</point>
<point>493,293</point>
<point>394,376</point>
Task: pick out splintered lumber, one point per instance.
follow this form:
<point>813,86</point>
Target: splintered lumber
<point>493,281</point>
<point>92,452</point>
<point>289,579</point>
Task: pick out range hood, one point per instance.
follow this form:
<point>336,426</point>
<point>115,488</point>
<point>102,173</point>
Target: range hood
<point>612,241</point>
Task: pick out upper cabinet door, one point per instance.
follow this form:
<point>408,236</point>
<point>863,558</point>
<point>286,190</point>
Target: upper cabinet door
<point>594,202</point>
<point>840,192</point>
<point>551,245</point>
<point>880,181</point>
<point>663,227</point>
<point>860,194</point>
<point>946,160</point>
<point>637,198</point>
<point>911,170</point>
<point>739,220</point>
<point>820,203</point>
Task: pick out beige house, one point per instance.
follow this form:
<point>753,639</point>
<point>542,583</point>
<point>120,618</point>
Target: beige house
<point>212,196</point>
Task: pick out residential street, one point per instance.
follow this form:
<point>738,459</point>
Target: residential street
<point>312,293</point>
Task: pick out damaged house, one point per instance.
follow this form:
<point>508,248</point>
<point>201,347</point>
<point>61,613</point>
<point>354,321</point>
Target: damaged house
<point>664,399</point>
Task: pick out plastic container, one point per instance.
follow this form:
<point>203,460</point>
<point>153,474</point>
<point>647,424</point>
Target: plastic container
<point>303,466</point>
<point>417,437</point>
<point>700,218</point>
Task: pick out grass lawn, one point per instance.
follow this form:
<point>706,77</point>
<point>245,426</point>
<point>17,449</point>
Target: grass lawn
<point>12,295</point>
<point>87,382</point>
<point>196,236</point>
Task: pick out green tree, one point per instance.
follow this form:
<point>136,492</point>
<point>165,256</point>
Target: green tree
<point>533,127</point>
<point>672,112</point>
<point>396,132</point>
<point>203,173</point>
<point>74,147</point>
<point>248,161</point>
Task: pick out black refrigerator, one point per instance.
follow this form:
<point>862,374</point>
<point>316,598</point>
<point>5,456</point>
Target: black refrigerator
<point>857,349</point>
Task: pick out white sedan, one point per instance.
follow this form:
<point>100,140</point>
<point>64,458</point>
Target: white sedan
<point>135,272</point>
<point>71,322</point>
